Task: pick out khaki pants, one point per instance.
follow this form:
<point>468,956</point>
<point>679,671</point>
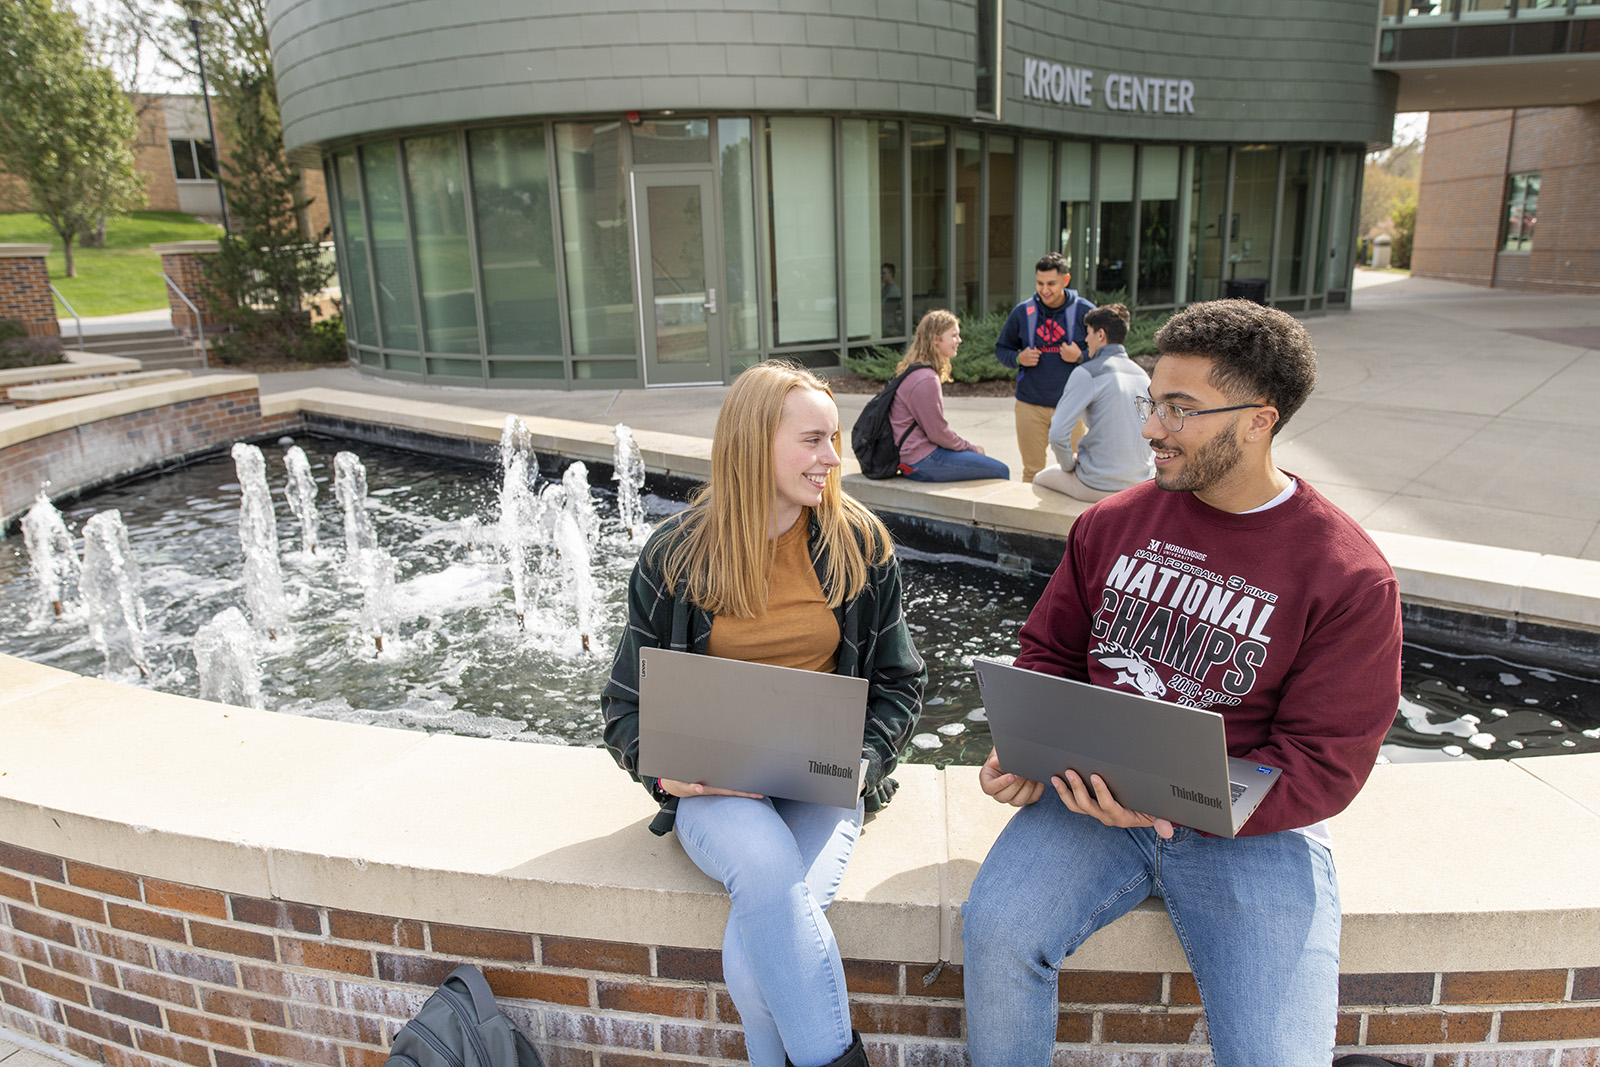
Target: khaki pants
<point>1068,482</point>
<point>1033,437</point>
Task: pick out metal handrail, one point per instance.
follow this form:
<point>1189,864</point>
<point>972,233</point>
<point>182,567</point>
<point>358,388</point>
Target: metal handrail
<point>200,327</point>
<point>70,311</point>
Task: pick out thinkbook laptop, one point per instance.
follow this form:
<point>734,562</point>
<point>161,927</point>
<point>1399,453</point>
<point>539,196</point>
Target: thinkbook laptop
<point>755,728</point>
<point>1163,759</point>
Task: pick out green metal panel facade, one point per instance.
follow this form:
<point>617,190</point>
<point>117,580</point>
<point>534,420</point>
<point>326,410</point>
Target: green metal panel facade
<point>1261,71</point>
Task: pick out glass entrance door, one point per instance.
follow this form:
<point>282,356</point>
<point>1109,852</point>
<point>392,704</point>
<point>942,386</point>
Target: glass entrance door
<point>677,278</point>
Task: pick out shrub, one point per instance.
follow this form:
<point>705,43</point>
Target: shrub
<point>321,342</point>
<point>1405,230</point>
<point>974,360</point>
<point>30,352</point>
<point>10,328</point>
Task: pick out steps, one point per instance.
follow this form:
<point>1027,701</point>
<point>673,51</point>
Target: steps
<point>155,347</point>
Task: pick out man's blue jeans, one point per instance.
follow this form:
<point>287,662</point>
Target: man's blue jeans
<point>944,465</point>
<point>1258,918</point>
<point>781,862</point>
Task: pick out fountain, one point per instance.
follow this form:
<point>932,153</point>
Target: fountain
<point>302,496</point>
<point>519,511</point>
<point>464,555</point>
<point>350,486</point>
<point>226,658</point>
<point>110,588</point>
<point>50,554</point>
<point>258,534</point>
<point>628,467</point>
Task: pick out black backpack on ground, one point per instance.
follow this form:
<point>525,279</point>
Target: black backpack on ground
<point>461,1026</point>
<point>872,438</point>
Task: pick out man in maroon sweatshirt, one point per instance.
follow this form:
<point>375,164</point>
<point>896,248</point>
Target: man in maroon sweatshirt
<point>1226,583</point>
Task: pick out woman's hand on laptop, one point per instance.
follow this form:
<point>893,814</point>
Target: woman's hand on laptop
<point>700,789</point>
<point>1010,789</point>
<point>1102,805</point>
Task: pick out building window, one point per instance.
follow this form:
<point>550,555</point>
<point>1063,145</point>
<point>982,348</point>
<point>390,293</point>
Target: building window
<point>516,245</point>
<point>193,160</point>
<point>437,195</point>
<point>805,295</point>
<point>1522,211</point>
<point>987,68</point>
<point>591,185</point>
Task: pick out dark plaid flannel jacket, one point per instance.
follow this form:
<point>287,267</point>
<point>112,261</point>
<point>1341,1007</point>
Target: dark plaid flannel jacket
<point>874,644</point>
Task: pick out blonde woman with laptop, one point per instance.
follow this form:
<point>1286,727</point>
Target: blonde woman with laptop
<point>773,563</point>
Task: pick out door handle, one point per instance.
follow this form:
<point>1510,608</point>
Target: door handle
<point>711,301</point>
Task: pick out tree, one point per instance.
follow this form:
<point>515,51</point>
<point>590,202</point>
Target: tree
<point>269,264</point>
<point>65,127</point>
<point>1380,193</point>
<point>265,268</point>
<point>1405,231</point>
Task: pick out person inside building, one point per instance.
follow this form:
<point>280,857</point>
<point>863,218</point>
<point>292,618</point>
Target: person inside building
<point>930,451</point>
<point>773,563</point>
<point>1112,454</point>
<point>1224,583</point>
<point>1043,339</point>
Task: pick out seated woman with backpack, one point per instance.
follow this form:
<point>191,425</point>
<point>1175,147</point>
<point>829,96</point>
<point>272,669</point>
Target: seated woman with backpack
<point>930,451</point>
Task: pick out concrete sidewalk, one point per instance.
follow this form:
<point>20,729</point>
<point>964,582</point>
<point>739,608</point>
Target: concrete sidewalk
<point>1443,410</point>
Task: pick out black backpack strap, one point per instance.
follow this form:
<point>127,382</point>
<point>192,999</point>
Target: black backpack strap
<point>482,996</point>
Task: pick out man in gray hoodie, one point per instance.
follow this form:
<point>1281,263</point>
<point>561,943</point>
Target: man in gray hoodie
<point>1113,454</point>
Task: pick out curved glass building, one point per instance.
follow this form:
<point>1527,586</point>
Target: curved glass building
<point>660,193</point>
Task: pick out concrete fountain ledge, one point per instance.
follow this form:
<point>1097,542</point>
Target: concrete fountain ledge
<point>186,882</point>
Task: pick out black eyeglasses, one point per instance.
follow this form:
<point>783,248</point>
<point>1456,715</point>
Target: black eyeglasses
<point>1172,416</point>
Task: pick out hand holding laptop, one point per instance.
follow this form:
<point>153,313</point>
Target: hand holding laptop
<point>1103,806</point>
<point>700,789</point>
<point>1007,788</point>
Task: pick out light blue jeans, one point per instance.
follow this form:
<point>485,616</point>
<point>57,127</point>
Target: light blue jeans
<point>781,862</point>
<point>1258,918</point>
<point>944,465</point>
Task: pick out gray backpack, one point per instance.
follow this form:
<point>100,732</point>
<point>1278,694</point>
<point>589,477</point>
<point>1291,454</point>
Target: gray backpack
<point>461,1026</point>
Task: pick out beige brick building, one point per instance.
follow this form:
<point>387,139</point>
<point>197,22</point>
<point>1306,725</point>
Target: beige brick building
<point>173,155</point>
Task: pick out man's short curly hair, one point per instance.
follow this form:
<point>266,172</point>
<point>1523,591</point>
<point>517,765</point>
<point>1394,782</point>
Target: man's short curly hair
<point>1255,351</point>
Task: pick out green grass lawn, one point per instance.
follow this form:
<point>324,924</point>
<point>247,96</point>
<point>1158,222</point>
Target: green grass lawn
<point>121,277</point>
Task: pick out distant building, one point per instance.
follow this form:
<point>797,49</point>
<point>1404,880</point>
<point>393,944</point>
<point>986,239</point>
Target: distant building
<point>653,192</point>
<point>1511,199</point>
<point>174,155</point>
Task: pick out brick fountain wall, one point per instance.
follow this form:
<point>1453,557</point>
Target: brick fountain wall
<point>133,971</point>
<point>139,428</point>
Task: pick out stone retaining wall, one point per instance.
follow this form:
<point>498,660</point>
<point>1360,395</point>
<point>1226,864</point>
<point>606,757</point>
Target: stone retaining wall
<point>140,972</point>
<point>139,428</point>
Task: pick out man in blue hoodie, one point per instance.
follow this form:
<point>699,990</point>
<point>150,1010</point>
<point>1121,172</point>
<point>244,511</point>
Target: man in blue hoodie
<point>1043,339</point>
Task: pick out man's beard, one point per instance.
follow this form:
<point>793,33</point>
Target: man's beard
<point>1205,466</point>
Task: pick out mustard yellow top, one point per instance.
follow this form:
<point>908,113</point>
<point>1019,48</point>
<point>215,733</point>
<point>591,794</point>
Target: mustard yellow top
<point>799,629</point>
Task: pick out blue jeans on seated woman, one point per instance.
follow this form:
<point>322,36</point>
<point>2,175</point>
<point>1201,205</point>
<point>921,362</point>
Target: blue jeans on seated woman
<point>943,465</point>
<point>781,862</point>
<point>1258,918</point>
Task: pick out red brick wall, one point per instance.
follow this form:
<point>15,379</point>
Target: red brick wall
<point>187,269</point>
<point>92,452</point>
<point>138,972</point>
<point>25,294</point>
<point>1462,196</point>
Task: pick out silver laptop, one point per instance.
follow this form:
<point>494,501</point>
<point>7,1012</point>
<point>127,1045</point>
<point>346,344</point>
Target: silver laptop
<point>776,731</point>
<point>1163,759</point>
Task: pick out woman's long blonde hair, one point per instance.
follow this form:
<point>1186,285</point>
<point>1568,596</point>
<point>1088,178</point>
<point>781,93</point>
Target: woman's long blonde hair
<point>723,555</point>
<point>924,346</point>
